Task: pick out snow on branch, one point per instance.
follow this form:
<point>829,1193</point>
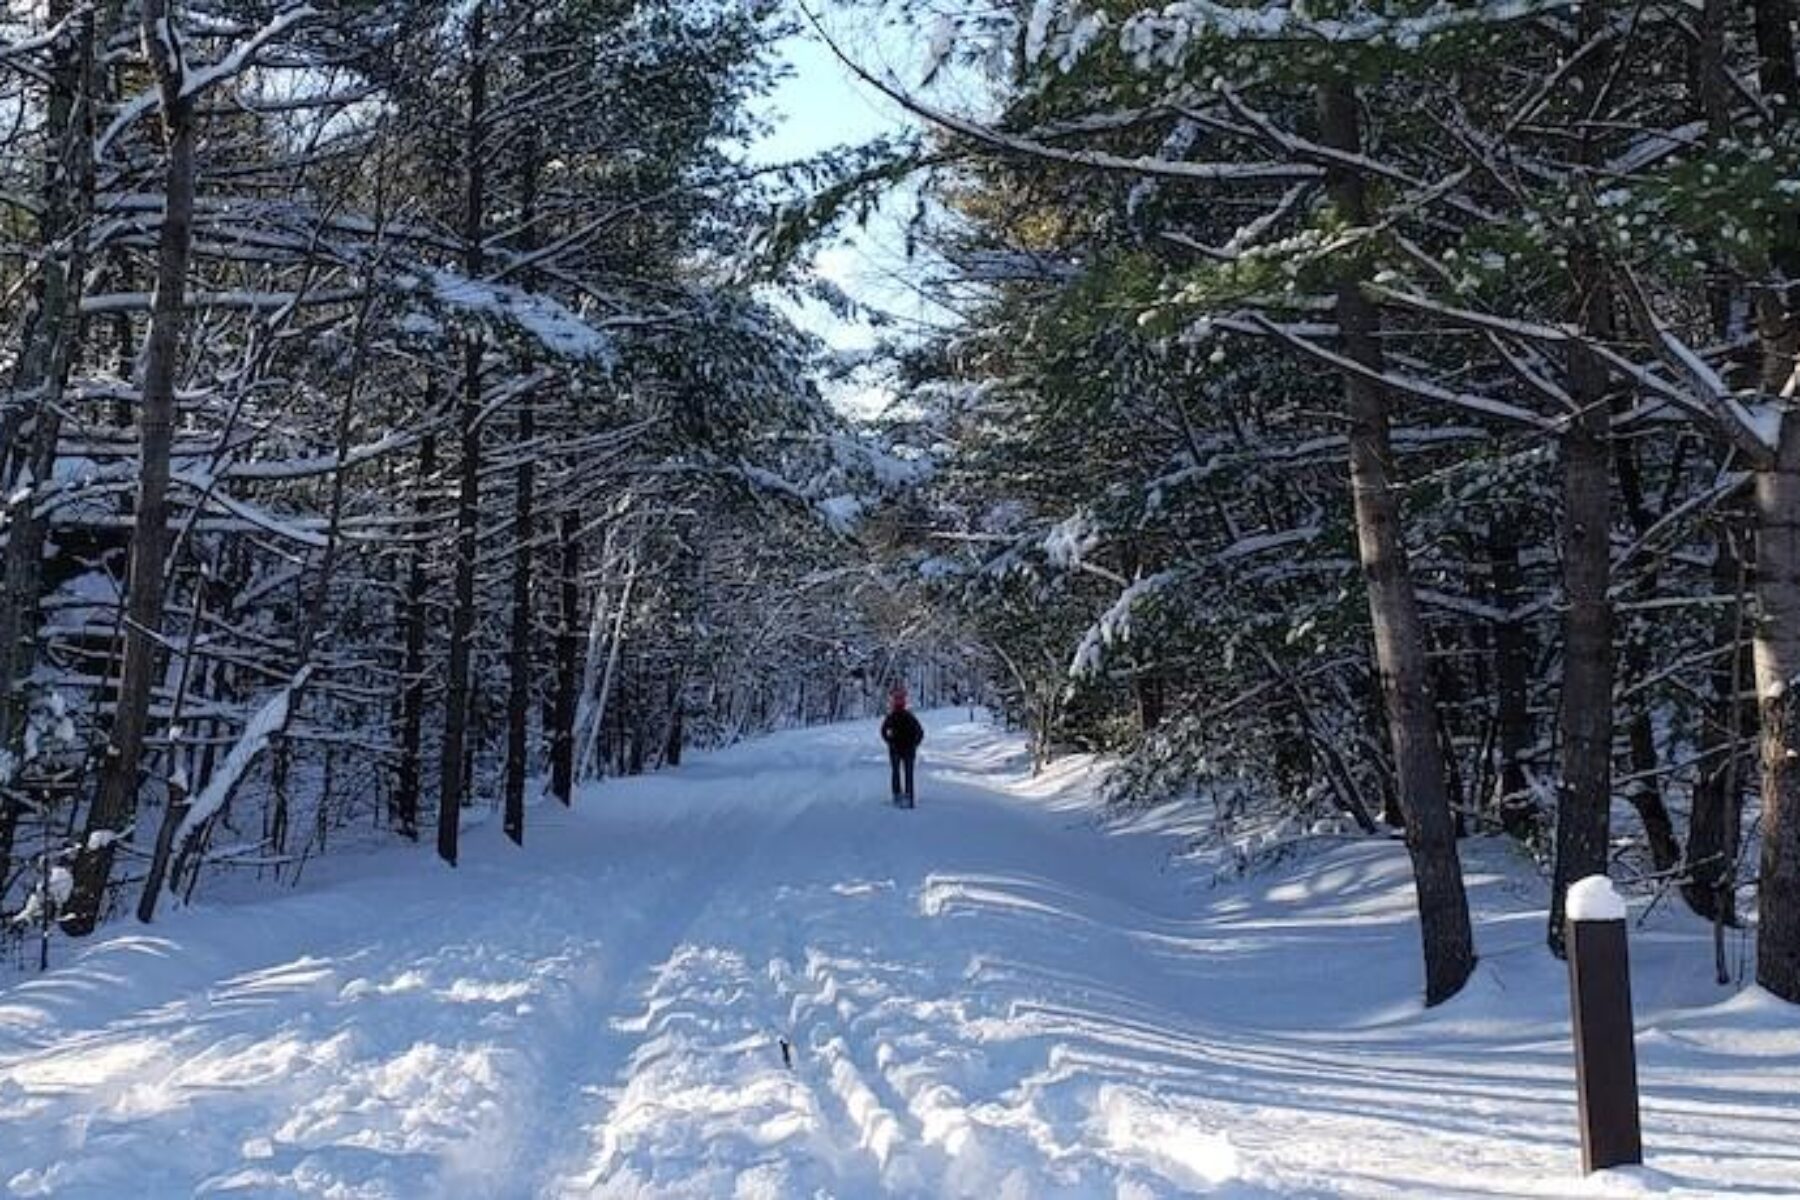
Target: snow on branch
<point>1755,430</point>
<point>1409,385</point>
<point>1251,234</point>
<point>243,55</point>
<point>193,82</point>
<point>1114,625</point>
<point>1296,146</point>
<point>1164,36</point>
<point>16,54</point>
<point>270,719</point>
<point>1654,145</point>
<point>128,115</point>
<point>322,464</point>
<point>250,514</point>
<point>1028,146</point>
<point>1709,398</point>
<point>237,299</point>
<point>1071,540</point>
<point>1261,543</point>
<point>557,328</point>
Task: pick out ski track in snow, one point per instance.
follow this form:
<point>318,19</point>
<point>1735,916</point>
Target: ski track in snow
<point>985,997</point>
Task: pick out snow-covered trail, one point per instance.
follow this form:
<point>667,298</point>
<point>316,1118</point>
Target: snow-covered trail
<point>983,997</point>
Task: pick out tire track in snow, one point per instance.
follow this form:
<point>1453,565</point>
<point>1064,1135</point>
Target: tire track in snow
<point>858,1015</point>
<point>602,1152</point>
<point>823,1018</point>
<point>593,1086</point>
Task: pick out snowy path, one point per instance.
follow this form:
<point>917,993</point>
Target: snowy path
<point>985,997</point>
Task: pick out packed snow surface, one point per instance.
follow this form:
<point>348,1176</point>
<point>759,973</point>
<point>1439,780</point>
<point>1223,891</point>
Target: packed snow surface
<point>1595,899</point>
<point>987,996</point>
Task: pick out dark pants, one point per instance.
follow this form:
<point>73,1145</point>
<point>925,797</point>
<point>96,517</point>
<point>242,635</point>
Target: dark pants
<point>896,760</point>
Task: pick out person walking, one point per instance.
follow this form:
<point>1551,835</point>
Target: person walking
<point>903,734</point>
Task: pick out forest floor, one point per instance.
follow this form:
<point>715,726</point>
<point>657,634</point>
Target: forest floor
<point>989,996</point>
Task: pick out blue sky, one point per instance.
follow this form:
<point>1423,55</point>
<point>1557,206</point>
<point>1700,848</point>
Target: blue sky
<point>823,105</point>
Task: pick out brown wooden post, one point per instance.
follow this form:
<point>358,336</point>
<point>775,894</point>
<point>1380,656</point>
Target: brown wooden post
<point>1600,1005</point>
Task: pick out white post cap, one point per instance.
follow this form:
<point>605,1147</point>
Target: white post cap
<point>1595,899</point>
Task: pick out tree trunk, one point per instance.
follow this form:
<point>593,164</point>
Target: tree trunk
<point>1152,702</point>
<point>1644,793</point>
<point>1712,848</point>
<point>1776,70</point>
<point>609,675</point>
<point>175,804</point>
<point>1447,695</point>
<point>518,700</point>
<point>1585,724</point>
<point>32,418</point>
<point>1717,801</point>
<point>314,608</point>
<point>672,746</point>
<point>412,672</point>
<point>1345,793</point>
<point>1585,714</point>
<point>1777,628</point>
<point>568,660</point>
<point>113,806</point>
<point>1777,634</point>
<point>1448,941</point>
<point>455,765</point>
<point>1512,677</point>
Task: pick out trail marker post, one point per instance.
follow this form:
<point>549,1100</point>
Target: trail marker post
<point>1605,1049</point>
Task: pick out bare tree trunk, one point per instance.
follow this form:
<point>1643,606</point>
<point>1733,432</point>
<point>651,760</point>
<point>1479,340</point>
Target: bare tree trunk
<point>454,780</point>
<point>1716,811</point>
<point>1152,701</point>
<point>1585,715</point>
<point>568,660</point>
<point>518,701</point>
<point>115,803</point>
<point>1712,848</point>
<point>673,743</point>
<point>1585,722</point>
<point>33,419</point>
<point>1448,941</point>
<point>609,675</point>
<point>1776,70</point>
<point>593,658</point>
<point>1777,677</point>
<point>175,806</point>
<point>1777,627</point>
<point>1512,675</point>
<point>412,671</point>
<point>1345,793</point>
<point>1643,793</point>
<point>1447,695</point>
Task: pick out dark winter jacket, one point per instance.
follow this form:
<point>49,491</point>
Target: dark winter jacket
<point>902,732</point>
